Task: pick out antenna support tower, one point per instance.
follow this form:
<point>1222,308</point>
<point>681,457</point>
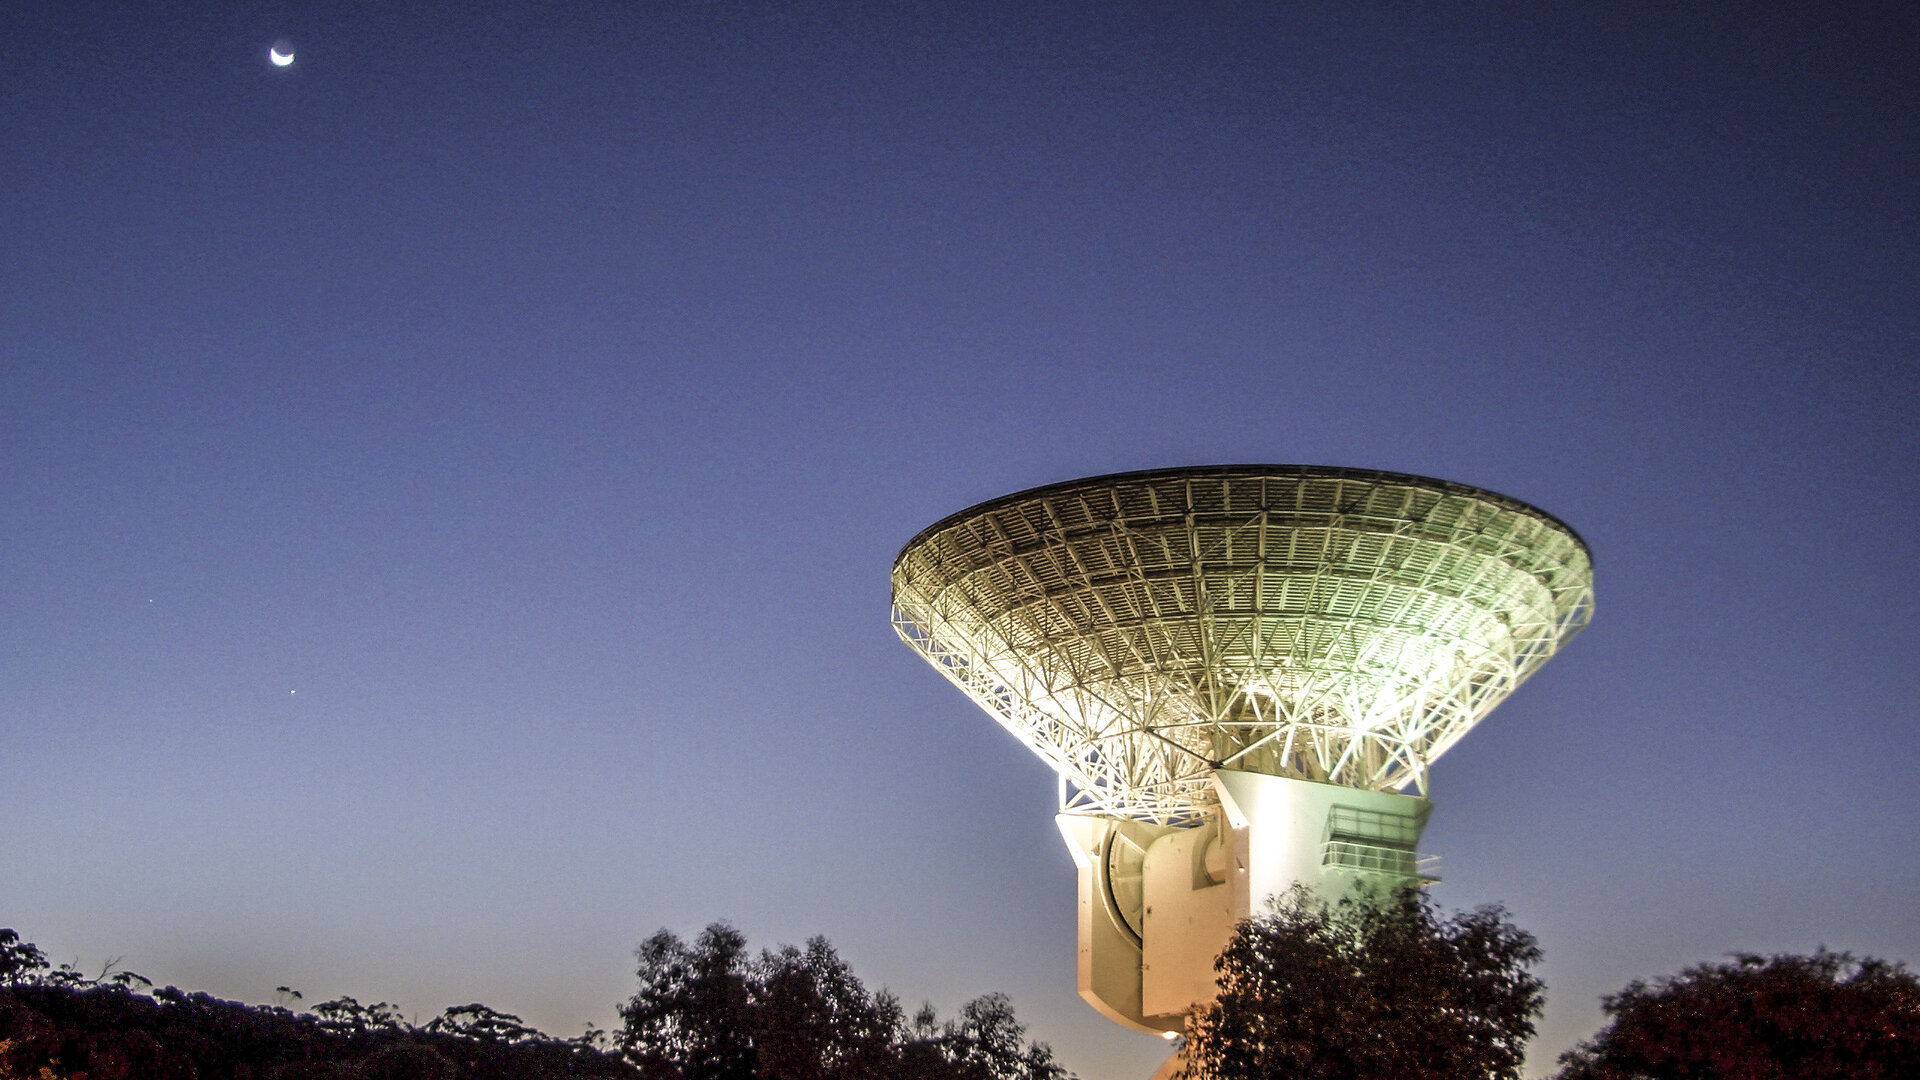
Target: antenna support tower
<point>1241,675</point>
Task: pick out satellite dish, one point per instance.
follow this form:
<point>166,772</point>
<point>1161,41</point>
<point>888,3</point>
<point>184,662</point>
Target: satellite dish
<point>1251,667</point>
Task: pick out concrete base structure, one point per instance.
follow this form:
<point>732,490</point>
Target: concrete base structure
<point>1157,903</point>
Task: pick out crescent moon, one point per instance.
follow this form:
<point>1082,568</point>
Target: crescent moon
<point>279,58</point>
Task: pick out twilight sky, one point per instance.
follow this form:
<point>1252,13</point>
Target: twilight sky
<point>448,485</point>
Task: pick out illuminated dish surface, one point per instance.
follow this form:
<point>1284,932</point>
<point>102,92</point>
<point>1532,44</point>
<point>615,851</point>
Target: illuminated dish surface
<point>1139,631</point>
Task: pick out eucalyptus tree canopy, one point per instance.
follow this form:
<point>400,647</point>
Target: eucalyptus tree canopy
<point>709,1010</point>
<point>1371,987</point>
<point>1820,1017</point>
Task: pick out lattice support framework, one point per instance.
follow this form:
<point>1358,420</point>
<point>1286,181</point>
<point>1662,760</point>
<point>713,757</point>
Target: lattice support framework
<point>1139,631</point>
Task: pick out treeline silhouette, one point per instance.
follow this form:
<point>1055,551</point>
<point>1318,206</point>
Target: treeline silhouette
<point>705,1010</point>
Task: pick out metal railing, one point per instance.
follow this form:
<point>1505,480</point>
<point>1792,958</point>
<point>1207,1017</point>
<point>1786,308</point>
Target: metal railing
<point>1378,859</point>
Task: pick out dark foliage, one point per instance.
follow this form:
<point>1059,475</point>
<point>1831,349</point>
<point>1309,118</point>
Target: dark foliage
<point>985,1043</point>
<point>57,1025</point>
<point>1820,1017</point>
<point>20,961</point>
<point>688,1019</point>
<point>710,1011</point>
<point>1369,988</point>
<point>408,1061</point>
<point>706,1011</point>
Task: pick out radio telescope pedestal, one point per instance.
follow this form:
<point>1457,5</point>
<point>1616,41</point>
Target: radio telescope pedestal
<point>1241,675</point>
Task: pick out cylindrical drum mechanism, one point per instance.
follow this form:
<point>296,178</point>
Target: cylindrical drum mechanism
<point>1241,675</point>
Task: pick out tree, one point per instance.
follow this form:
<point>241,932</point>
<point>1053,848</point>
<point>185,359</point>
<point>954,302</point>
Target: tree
<point>708,1011</point>
<point>987,1043</point>
<point>20,961</point>
<point>1371,987</point>
<point>1820,1017</point>
<point>688,1018</point>
<point>813,1020</point>
<point>479,1023</point>
<point>348,1017</point>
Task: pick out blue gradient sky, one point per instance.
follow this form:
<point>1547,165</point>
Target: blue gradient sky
<point>447,487</point>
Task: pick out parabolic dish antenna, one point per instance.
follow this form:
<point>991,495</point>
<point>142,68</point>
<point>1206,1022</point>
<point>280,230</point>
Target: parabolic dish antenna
<point>1143,631</point>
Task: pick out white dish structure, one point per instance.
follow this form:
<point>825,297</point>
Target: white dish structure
<point>1241,675</point>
